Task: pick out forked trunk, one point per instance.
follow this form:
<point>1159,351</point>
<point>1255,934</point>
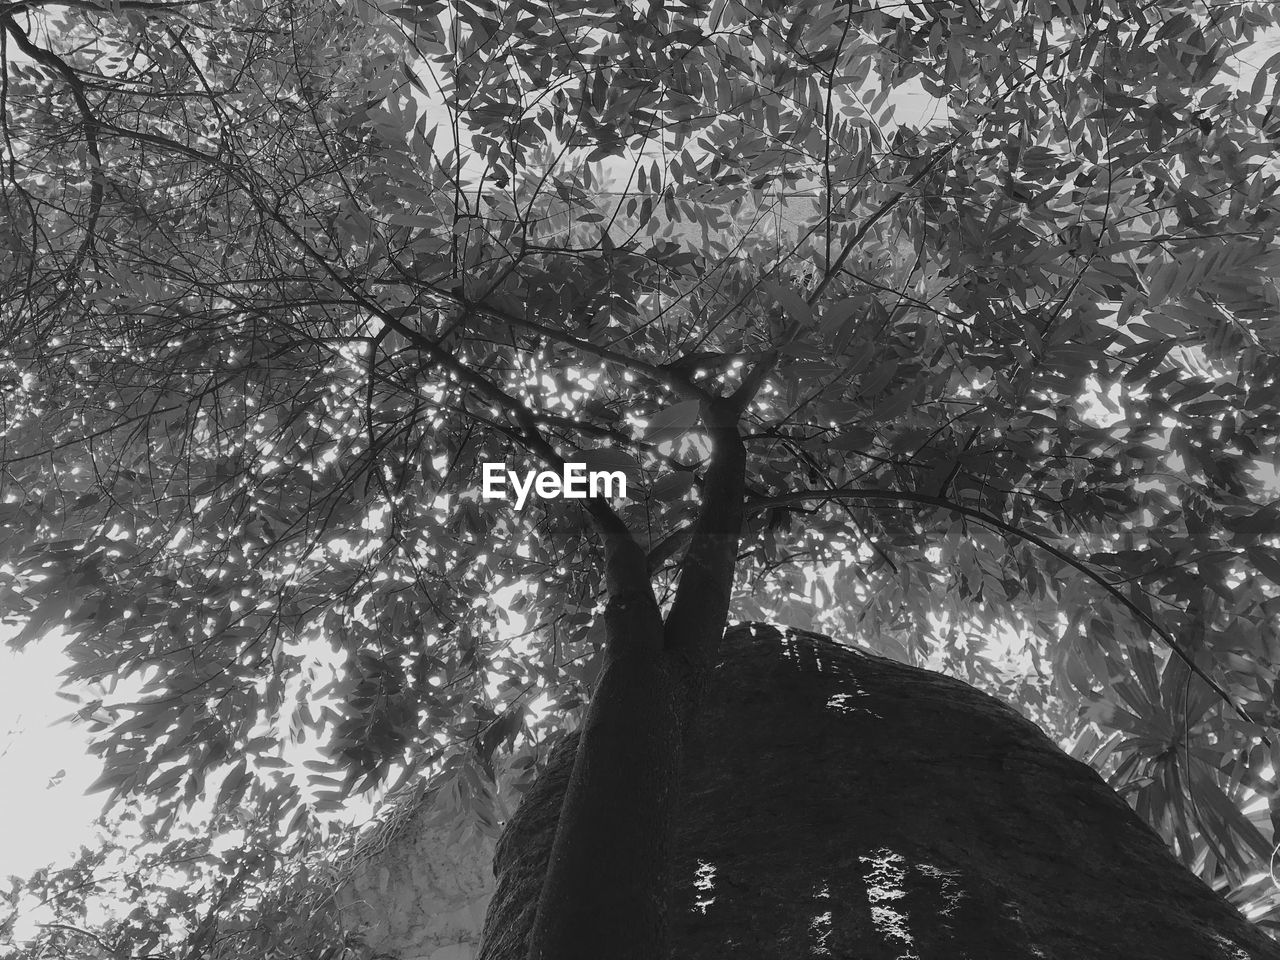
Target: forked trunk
<point>607,881</point>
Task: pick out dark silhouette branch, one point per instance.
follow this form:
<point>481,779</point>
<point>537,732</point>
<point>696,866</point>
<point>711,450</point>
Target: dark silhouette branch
<point>752,382</point>
<point>705,587</point>
<point>608,521</point>
<point>88,122</point>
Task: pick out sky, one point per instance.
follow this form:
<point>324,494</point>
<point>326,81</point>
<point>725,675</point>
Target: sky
<point>44,769</point>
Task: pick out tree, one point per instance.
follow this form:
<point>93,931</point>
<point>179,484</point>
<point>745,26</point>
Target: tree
<point>192,894</point>
<point>847,805</point>
<point>1013,373</point>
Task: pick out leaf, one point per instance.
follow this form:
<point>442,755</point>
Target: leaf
<point>1259,88</point>
<point>610,459</point>
<point>47,616</point>
<point>672,422</point>
<point>1264,522</point>
<point>897,404</point>
<point>672,486</point>
<point>1162,284</point>
<point>425,220</point>
<point>1100,711</point>
<point>879,378</point>
<point>855,438</point>
<point>792,302</point>
<point>1265,563</point>
<point>112,779</point>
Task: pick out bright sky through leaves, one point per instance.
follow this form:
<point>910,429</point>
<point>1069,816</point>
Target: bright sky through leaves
<point>267,327</point>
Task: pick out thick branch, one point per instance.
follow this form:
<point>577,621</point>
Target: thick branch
<point>626,575</point>
<point>701,605</point>
<point>753,381</point>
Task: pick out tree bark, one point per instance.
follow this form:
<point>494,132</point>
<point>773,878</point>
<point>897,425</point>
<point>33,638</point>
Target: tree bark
<point>607,878</point>
<point>607,884</point>
<point>843,805</point>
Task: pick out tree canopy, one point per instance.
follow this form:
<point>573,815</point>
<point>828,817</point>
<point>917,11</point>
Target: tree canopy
<point>279,278</point>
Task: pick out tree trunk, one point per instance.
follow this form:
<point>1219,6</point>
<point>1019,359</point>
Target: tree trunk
<point>605,889</point>
<point>606,885</point>
<point>841,805</point>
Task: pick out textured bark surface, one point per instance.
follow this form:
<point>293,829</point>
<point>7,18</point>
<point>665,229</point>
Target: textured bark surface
<point>604,892</point>
<point>613,851</point>
<point>840,805</point>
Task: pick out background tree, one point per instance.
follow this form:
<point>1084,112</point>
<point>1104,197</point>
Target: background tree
<point>1012,374</point>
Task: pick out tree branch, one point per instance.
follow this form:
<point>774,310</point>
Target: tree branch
<point>752,382</point>
<point>88,122</point>
<point>701,606</point>
<point>664,375</point>
<point>903,496</point>
<point>878,214</point>
<point>608,522</point>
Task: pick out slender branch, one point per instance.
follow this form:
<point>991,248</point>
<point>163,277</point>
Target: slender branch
<point>878,214</point>
<point>904,496</point>
<point>604,516</point>
<point>88,122</point>
<point>606,519</point>
<point>707,361</point>
<point>664,375</point>
<point>668,547</point>
<point>744,394</point>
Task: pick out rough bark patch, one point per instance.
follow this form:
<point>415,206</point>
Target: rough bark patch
<point>842,805</point>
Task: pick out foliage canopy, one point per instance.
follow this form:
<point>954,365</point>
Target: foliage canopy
<point>279,278</point>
